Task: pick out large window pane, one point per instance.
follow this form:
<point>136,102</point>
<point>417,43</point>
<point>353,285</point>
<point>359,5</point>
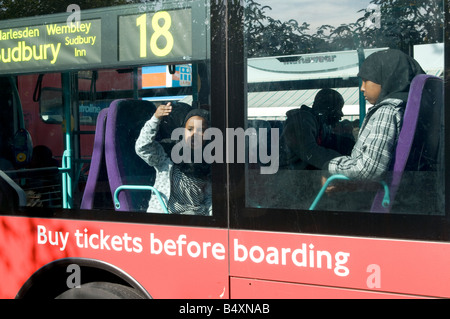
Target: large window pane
<point>78,94</point>
<point>303,60</point>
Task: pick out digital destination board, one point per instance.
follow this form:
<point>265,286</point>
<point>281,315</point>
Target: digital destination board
<point>120,36</point>
<point>158,35</point>
<point>50,45</point>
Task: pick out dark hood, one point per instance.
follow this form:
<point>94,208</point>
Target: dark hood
<point>393,70</point>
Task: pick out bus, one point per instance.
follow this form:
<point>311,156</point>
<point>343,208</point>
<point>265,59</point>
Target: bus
<point>79,85</point>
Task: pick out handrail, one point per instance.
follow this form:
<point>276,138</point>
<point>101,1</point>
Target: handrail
<point>324,188</point>
<point>66,179</point>
<point>141,188</point>
<point>386,197</point>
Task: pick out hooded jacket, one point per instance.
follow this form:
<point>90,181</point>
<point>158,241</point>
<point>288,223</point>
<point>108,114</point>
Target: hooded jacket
<point>304,141</point>
<point>154,155</point>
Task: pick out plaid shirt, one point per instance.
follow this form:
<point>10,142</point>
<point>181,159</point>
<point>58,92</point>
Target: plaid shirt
<point>375,148</point>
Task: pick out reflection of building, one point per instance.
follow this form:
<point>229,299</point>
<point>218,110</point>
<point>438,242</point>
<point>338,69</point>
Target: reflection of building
<point>162,77</point>
<point>279,84</point>
<point>274,105</point>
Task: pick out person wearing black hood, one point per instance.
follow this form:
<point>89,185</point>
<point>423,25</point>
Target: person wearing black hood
<point>307,141</point>
<point>386,77</point>
<point>185,187</point>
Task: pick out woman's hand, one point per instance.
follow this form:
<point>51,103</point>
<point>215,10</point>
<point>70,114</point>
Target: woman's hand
<point>163,110</point>
<point>330,189</point>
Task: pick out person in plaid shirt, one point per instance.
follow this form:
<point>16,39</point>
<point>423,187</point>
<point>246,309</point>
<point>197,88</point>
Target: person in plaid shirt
<point>386,76</point>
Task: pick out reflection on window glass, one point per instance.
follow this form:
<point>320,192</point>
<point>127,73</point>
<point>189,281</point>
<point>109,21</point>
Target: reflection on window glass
<point>101,132</point>
<point>334,80</point>
<point>30,8</point>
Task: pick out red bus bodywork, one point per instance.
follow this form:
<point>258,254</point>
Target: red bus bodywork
<point>195,262</point>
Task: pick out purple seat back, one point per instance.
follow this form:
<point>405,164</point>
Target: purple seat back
<point>97,193</point>
<point>125,121</point>
<point>418,147</point>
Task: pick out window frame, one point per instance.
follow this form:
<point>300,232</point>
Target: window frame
<point>397,226</point>
<point>217,61</point>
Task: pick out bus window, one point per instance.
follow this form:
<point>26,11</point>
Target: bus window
<point>96,90</point>
<point>294,53</point>
<point>8,129</point>
<point>100,82</point>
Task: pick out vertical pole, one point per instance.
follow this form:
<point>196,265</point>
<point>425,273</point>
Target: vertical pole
<point>67,157</point>
<point>195,102</point>
<point>362,100</point>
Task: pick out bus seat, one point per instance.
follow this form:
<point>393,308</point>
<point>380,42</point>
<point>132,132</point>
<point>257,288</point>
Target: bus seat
<point>97,193</point>
<point>125,121</point>
<point>419,147</point>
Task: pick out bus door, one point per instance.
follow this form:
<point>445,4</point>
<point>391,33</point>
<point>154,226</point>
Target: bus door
<point>346,247</point>
<point>16,141</point>
<point>279,246</point>
<point>117,76</point>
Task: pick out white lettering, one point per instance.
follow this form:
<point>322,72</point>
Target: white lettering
<point>197,249</point>
<point>305,257</point>
<point>182,246</point>
<point>41,236</point>
<point>260,254</point>
<point>103,241</point>
<point>54,238</point>
<point>218,251</point>
<point>237,248</point>
<point>154,241</point>
<point>207,310</point>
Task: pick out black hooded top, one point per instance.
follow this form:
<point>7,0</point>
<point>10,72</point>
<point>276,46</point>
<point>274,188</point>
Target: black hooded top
<point>393,70</point>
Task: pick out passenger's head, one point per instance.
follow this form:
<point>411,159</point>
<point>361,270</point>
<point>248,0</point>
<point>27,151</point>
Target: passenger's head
<point>388,74</point>
<point>328,104</point>
<point>195,123</point>
<point>42,157</point>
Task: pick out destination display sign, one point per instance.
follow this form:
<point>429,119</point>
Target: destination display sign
<point>157,36</point>
<point>129,35</point>
<point>50,45</point>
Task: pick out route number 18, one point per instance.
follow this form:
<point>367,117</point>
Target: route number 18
<point>159,31</point>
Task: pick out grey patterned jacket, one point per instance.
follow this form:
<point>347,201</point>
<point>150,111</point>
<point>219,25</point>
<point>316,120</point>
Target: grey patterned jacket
<point>154,155</point>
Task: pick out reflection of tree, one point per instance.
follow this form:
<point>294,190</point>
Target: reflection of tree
<point>385,23</point>
<point>267,36</point>
<point>403,23</point>
<point>21,255</point>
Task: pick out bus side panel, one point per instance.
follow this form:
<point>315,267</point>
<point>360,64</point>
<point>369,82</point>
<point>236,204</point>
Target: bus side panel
<point>169,262</point>
<point>405,267</point>
<point>241,288</point>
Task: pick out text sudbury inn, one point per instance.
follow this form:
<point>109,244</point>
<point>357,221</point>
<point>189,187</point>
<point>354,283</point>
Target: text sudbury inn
<point>44,43</point>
